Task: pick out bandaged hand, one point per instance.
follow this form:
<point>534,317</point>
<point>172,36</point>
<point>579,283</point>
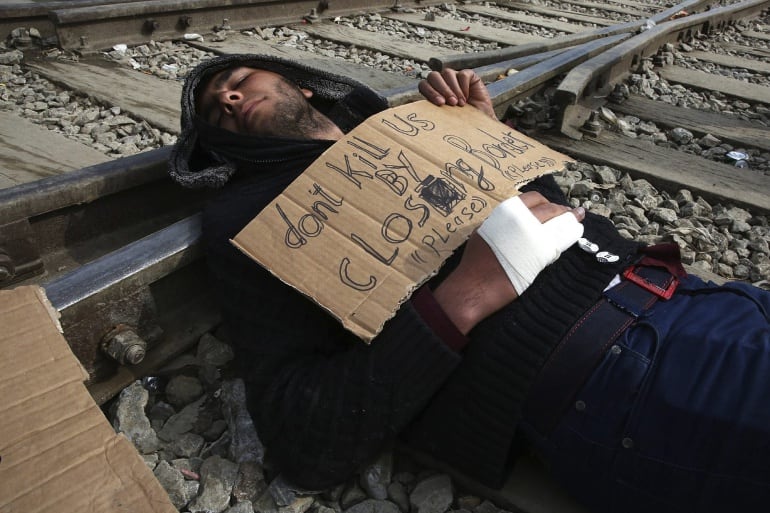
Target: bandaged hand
<point>522,244</point>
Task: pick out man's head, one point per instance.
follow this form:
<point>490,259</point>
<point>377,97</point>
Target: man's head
<point>259,102</point>
<point>235,106</point>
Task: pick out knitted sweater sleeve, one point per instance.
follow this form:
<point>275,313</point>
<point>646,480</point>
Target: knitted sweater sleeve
<point>324,402</point>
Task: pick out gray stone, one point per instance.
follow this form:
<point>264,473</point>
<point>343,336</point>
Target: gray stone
<point>397,494</point>
<point>215,430</point>
<point>663,215</point>
<point>245,444</point>
<point>241,507</point>
<point>298,505</point>
<point>186,445</point>
<point>218,476</point>
<point>374,506</point>
<point>181,390</point>
<point>488,507</point>
<point>266,503</point>
<point>374,479</point>
<point>251,482</point>
<point>680,135</point>
<point>352,495</point>
<point>600,209</point>
<point>605,175</point>
<point>759,245</point>
<point>709,141</point>
<point>581,188</point>
<point>181,422</point>
<point>173,482</point>
<point>11,57</point>
<point>468,502</point>
<point>151,460</point>
<point>213,351</point>
<point>219,447</point>
<point>432,495</point>
<point>131,420</point>
<point>160,412</point>
<point>283,492</point>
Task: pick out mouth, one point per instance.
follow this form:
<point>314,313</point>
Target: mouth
<point>248,110</point>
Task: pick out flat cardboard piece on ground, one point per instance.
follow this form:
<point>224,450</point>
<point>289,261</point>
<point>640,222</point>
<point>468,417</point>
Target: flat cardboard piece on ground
<point>58,453</point>
<point>379,212</point>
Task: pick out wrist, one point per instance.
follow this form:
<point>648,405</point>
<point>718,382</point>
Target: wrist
<point>467,297</point>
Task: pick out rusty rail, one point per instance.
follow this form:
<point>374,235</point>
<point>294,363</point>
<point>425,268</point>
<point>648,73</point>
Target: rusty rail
<point>586,86</point>
<point>483,58</point>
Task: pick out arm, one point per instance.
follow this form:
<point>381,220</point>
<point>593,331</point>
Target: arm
<point>479,286</point>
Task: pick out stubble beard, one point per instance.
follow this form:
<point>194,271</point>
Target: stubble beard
<point>294,116</point>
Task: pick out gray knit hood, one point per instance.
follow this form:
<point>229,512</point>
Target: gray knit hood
<point>193,163</point>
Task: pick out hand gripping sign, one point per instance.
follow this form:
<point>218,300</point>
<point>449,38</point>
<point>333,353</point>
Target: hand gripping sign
<point>379,212</point>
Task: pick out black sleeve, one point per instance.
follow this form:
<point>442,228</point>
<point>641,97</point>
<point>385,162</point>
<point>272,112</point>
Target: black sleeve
<point>547,186</point>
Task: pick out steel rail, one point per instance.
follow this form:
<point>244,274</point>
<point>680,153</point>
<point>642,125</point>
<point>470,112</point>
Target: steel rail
<point>63,221</point>
<point>488,73</point>
<point>483,58</point>
<point>35,15</point>
<point>121,289</point>
<point>586,86</point>
<point>521,84</point>
<point>101,27</point>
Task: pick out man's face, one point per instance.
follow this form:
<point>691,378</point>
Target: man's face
<point>259,102</point>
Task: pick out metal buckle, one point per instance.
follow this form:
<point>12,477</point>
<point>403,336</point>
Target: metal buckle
<point>663,293</point>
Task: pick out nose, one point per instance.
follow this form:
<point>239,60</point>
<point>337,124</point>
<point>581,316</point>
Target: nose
<point>229,98</point>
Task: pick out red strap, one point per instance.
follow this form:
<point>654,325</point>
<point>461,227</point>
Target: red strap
<point>664,255</point>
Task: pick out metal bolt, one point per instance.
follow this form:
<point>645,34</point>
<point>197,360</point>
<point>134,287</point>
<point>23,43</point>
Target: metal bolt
<point>124,345</point>
<point>150,25</point>
<point>592,126</point>
<point>83,40</point>
<point>616,350</point>
<point>185,21</point>
<point>617,95</point>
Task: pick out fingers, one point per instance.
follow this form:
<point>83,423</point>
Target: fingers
<point>449,86</point>
<point>443,88</point>
<point>457,88</point>
<point>544,210</point>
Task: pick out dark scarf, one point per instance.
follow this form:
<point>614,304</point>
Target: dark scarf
<point>206,156</point>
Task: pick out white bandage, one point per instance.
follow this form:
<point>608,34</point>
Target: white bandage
<point>522,244</point>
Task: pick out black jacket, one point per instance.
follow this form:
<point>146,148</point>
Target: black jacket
<point>323,401</point>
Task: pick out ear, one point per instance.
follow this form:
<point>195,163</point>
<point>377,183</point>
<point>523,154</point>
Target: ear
<point>307,92</point>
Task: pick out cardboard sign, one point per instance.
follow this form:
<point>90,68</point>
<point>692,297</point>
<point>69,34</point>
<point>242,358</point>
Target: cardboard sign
<point>58,452</point>
<point>378,213</point>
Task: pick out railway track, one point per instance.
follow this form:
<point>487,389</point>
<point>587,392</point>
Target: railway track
<point>116,244</point>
